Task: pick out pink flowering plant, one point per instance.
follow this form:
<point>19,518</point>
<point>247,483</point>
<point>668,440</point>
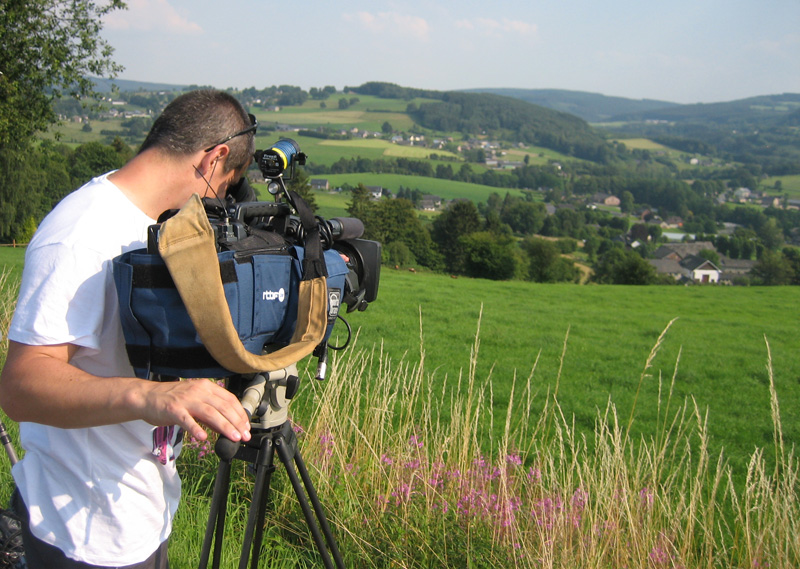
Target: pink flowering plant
<point>412,478</point>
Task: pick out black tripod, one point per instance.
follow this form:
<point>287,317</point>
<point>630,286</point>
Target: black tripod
<point>260,452</point>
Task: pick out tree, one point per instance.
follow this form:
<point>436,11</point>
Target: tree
<point>458,219</point>
<point>709,254</point>
<point>398,254</point>
<point>359,206</point>
<point>524,217</point>
<point>639,232</point>
<point>489,256</point>
<point>771,234</point>
<point>624,266</point>
<point>626,202</point>
<point>773,269</point>
<point>301,184</point>
<point>792,256</point>
<point>91,159</point>
<point>396,221</point>
<point>546,263</point>
<point>121,148</point>
<point>48,48</point>
<point>386,128</point>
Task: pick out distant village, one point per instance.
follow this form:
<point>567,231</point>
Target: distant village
<point>679,257</point>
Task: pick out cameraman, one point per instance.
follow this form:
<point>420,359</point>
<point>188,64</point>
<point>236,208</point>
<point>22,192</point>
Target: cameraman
<point>98,483</point>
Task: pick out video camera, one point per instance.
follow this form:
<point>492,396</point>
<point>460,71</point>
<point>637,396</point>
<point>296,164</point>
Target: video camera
<point>254,225</point>
<point>243,224</point>
<point>262,250</point>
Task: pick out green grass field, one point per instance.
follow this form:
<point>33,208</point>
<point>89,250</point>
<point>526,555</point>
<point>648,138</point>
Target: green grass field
<point>642,144</point>
<point>369,113</point>
<point>12,258</point>
<point>790,185</point>
<point>442,359</point>
<point>717,342</point>
<point>445,189</point>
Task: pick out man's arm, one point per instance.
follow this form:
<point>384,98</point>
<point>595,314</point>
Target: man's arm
<point>39,385</point>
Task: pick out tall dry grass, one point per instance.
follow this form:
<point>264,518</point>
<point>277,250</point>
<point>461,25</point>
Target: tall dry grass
<point>9,287</point>
<point>406,489</point>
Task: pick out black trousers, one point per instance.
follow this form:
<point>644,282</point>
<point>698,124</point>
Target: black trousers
<point>41,555</point>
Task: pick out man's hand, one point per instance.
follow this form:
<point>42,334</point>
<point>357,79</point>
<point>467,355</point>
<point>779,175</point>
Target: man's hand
<point>193,403</point>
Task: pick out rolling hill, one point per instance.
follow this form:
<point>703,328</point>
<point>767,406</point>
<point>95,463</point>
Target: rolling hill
<point>591,107</point>
<point>766,110</point>
<point>498,116</point>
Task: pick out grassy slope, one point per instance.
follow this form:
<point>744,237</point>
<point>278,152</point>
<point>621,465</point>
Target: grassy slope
<point>719,338</point>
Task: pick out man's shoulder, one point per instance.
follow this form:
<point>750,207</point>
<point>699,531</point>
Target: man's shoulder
<point>97,192</point>
<point>93,211</point>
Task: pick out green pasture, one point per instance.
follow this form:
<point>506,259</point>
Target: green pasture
<point>334,204</point>
<point>539,155</point>
<point>329,204</point>
<point>716,348</point>
<point>346,119</point>
<point>12,258</point>
<point>320,153</point>
<point>365,103</point>
<point>790,185</point>
<point>387,148</point>
<point>642,144</point>
<point>325,152</point>
<point>679,158</point>
<point>591,344</point>
<point>445,189</point>
<point>71,133</point>
<point>369,113</point>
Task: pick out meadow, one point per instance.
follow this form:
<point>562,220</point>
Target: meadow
<point>445,189</point>
<point>790,185</point>
<point>484,424</point>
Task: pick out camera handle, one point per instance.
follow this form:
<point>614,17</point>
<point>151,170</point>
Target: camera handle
<point>260,451</point>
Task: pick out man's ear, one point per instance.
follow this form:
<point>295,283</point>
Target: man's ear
<point>215,159</point>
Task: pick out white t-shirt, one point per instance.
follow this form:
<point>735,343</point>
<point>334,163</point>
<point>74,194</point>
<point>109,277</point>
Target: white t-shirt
<point>103,495</point>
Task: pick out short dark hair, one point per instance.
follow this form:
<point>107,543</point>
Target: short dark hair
<point>198,119</point>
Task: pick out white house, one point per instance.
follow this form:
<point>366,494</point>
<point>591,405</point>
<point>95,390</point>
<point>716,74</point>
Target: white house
<point>700,270</point>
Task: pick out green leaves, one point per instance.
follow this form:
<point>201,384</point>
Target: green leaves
<point>48,48</point>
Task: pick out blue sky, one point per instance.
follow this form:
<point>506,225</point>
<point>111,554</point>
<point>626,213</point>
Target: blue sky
<point>681,51</point>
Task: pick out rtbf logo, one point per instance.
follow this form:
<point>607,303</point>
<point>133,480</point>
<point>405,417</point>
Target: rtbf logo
<point>279,295</point>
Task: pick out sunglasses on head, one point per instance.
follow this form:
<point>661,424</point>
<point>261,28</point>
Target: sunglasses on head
<point>252,128</point>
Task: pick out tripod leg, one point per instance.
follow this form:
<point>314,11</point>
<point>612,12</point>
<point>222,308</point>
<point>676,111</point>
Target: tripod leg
<point>286,458</point>
<point>216,516</point>
<point>323,521</point>
<point>255,519</point>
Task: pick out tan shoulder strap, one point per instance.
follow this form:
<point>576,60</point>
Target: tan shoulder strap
<point>186,243</point>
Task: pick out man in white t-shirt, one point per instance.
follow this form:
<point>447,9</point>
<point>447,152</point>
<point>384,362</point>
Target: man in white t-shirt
<point>98,485</point>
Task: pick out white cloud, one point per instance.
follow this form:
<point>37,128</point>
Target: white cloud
<point>465,25</point>
<point>776,47</point>
<point>498,28</point>
<point>393,23</point>
<point>151,15</point>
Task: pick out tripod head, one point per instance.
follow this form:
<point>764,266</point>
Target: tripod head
<point>265,397</point>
